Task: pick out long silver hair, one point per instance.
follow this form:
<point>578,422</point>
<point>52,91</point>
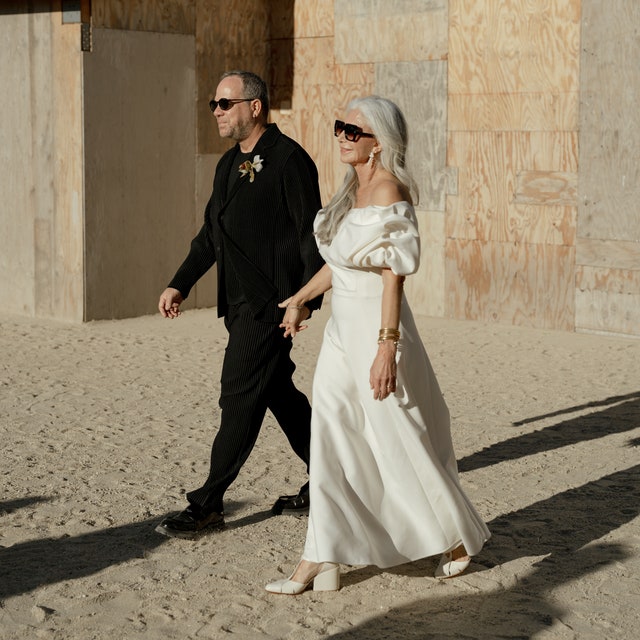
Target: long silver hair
<point>390,129</point>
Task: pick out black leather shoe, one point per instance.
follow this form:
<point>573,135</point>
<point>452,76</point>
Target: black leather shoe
<point>292,505</point>
<point>190,522</point>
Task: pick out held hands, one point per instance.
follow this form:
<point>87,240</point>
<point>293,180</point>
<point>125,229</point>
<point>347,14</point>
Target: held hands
<point>169,303</point>
<point>382,376</point>
<point>293,316</point>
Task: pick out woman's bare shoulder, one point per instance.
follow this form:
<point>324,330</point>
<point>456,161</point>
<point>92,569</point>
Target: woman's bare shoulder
<point>388,192</point>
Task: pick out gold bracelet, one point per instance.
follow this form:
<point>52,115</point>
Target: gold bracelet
<point>389,334</point>
<point>294,306</point>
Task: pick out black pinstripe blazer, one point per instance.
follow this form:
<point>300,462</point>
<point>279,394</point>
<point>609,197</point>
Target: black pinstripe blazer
<point>264,228</point>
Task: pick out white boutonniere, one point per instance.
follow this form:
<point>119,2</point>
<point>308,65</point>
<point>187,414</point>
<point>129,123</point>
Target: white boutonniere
<point>251,167</point>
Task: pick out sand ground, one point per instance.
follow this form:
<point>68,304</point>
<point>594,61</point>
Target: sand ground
<point>105,425</point>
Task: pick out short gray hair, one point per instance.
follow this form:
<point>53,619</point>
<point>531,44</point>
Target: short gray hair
<point>254,87</point>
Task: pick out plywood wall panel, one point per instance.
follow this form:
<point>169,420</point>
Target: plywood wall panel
<point>311,123</point>
<point>513,121</point>
<point>314,107</point>
<point>513,111</point>
<point>313,62</point>
<point>306,19</point>
<point>420,90</point>
<point>43,140</point>
<point>18,176</point>
<point>608,253</point>
<point>229,35</point>
<point>313,18</point>
<point>608,299</point>
<point>355,74</point>
<point>281,74</point>
<point>514,46</point>
<point>607,312</point>
<point>488,165</point>
<point>310,90</point>
<point>67,296</point>
<point>390,30</point>
<point>623,281</point>
<point>282,19</point>
<point>337,99</point>
<point>41,167</point>
<point>608,246</point>
<point>535,224</point>
<point>425,288</point>
<point>546,187</point>
<point>610,186</point>
<point>530,285</point>
<point>163,16</point>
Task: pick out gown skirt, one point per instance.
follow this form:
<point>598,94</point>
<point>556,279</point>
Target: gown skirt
<point>384,484</point>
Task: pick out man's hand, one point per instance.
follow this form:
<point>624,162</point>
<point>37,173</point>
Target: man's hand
<point>169,304</point>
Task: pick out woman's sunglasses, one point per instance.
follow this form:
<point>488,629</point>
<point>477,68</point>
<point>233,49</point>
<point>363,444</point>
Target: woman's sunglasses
<point>225,104</point>
<point>352,132</point>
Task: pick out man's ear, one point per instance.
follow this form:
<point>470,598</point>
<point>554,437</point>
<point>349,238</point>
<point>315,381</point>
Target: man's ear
<point>256,107</point>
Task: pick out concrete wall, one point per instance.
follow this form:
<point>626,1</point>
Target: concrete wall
<point>608,243</point>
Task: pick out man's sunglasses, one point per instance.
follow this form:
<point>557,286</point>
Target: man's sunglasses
<point>225,104</point>
<point>352,132</point>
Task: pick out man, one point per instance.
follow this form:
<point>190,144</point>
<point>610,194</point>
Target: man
<point>258,229</point>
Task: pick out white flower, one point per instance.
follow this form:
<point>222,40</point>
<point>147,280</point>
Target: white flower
<point>251,167</point>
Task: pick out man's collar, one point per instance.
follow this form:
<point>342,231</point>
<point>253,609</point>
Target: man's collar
<point>268,138</point>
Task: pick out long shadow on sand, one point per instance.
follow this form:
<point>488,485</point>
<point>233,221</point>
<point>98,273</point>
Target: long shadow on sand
<point>28,565</point>
<point>564,528</point>
<point>622,414</point>
<point>8,506</point>
<point>32,564</point>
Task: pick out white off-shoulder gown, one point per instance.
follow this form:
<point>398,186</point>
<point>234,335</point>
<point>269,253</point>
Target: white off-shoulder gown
<point>384,483</point>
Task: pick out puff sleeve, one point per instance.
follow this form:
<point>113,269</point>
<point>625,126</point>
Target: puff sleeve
<point>383,237</point>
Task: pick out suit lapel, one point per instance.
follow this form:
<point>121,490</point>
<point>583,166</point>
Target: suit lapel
<point>266,140</point>
<point>228,195</point>
<point>257,287</point>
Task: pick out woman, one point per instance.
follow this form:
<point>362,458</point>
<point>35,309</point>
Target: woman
<point>383,474</point>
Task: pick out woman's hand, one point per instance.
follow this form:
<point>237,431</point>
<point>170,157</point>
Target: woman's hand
<point>294,315</point>
<point>382,376</point>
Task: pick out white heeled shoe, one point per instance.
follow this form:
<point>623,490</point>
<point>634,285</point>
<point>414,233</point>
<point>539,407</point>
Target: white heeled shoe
<point>448,567</point>
<point>327,579</point>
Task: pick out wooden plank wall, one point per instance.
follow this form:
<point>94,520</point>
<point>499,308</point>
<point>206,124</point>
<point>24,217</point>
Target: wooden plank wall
<point>311,86</point>
<point>326,53</point>
<point>513,136</point>
<point>161,16</point>
<point>501,99</point>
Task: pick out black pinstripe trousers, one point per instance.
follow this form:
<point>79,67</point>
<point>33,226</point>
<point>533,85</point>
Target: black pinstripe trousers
<point>256,376</point>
